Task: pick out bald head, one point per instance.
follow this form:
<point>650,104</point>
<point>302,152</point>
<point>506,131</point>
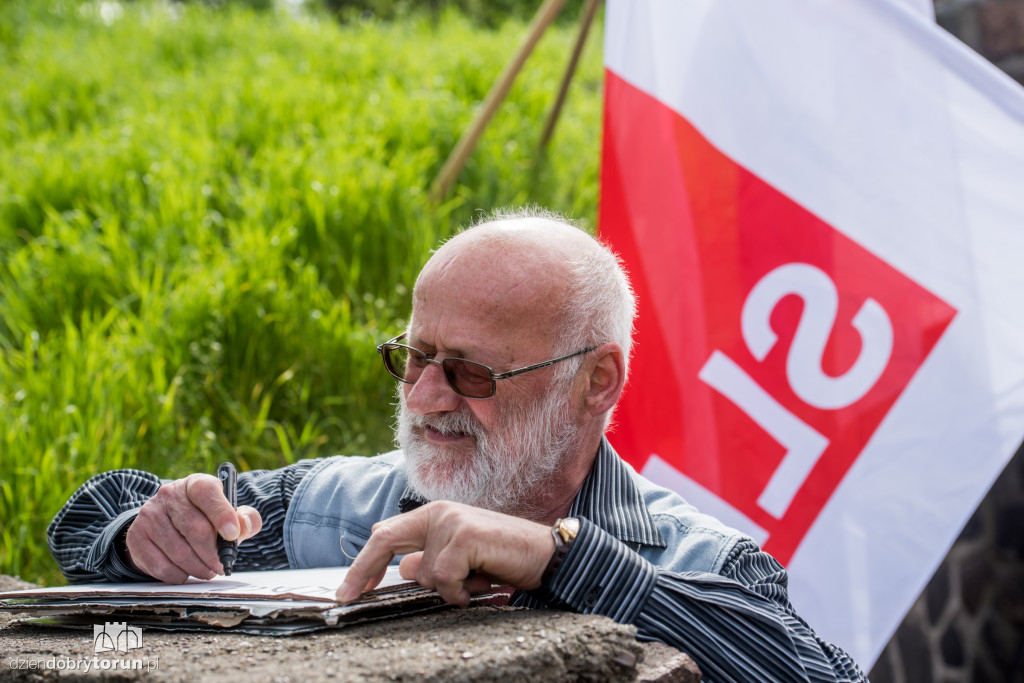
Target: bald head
<point>536,273</point>
<point>542,238</point>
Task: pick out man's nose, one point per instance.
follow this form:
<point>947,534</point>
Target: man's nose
<point>431,392</point>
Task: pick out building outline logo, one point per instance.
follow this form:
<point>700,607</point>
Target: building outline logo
<point>116,636</point>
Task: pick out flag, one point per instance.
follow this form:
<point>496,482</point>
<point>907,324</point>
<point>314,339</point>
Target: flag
<point>925,7</point>
<point>821,208</point>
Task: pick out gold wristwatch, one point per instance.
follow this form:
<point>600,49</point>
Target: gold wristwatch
<point>564,533</point>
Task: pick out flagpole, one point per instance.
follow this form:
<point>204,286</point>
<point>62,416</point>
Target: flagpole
<point>457,159</point>
<point>589,10</point>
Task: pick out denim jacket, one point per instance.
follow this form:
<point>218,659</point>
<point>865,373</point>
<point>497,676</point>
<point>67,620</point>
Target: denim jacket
<point>338,502</point>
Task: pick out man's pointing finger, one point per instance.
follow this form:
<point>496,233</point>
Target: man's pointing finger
<point>396,536</point>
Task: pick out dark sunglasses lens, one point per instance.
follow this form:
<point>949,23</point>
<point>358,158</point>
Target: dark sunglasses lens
<point>469,378</point>
<point>401,363</point>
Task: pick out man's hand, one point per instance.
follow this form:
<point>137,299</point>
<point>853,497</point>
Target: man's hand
<point>443,542</point>
<point>175,534</point>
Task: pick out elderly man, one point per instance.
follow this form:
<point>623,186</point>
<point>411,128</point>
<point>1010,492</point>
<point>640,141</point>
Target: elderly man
<point>516,353</point>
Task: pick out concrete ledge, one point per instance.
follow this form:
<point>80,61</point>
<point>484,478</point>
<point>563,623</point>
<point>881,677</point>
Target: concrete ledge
<point>476,644</point>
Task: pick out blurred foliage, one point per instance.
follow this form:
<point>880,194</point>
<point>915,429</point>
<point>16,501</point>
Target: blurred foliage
<point>490,13</point>
<point>209,216</point>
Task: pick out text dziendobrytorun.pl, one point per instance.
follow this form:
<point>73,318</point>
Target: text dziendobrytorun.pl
<point>85,664</point>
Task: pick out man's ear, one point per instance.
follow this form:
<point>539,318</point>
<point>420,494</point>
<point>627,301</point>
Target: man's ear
<point>607,379</point>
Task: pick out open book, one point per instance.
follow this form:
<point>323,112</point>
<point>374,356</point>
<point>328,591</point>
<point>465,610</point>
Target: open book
<point>279,602</point>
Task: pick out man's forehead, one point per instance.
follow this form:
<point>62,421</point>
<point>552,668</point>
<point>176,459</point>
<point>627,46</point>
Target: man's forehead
<point>481,288</point>
<point>502,294</point>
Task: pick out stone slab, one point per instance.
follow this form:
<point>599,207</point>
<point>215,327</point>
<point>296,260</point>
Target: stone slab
<point>476,644</point>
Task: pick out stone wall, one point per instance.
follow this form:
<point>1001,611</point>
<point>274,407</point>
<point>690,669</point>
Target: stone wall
<point>994,28</point>
<point>968,624</point>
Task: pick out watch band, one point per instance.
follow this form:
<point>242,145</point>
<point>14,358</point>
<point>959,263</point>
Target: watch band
<point>564,532</point>
<point>121,546</point>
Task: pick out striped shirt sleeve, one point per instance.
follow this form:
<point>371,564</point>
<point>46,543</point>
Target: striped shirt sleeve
<point>86,540</point>
<point>738,625</point>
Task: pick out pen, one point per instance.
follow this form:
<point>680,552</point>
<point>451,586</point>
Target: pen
<point>227,551</point>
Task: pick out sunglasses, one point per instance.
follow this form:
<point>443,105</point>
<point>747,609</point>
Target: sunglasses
<point>466,377</point>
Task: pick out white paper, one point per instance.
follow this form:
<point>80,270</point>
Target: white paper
<point>302,584</point>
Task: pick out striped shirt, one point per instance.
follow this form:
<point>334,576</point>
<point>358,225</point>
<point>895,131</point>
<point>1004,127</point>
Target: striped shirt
<point>737,624</point>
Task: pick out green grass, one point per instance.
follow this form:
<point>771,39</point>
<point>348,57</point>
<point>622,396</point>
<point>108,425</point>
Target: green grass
<point>209,217</point>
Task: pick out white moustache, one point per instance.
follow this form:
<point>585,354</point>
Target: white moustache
<point>456,422</point>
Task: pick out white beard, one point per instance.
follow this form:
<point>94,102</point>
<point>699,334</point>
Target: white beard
<point>512,465</point>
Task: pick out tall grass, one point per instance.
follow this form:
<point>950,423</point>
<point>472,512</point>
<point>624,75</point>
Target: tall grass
<point>208,217</point>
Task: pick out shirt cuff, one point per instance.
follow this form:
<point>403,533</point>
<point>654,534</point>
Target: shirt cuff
<point>106,557</point>
<point>600,575</point>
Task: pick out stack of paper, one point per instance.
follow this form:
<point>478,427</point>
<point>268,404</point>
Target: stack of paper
<point>267,603</point>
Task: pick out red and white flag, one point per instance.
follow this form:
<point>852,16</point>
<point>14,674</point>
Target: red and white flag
<point>821,205</point>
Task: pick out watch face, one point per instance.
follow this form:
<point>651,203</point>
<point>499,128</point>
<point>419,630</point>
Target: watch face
<point>569,528</point>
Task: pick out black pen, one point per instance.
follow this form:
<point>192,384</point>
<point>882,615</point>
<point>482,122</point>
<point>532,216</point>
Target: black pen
<point>227,551</point>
